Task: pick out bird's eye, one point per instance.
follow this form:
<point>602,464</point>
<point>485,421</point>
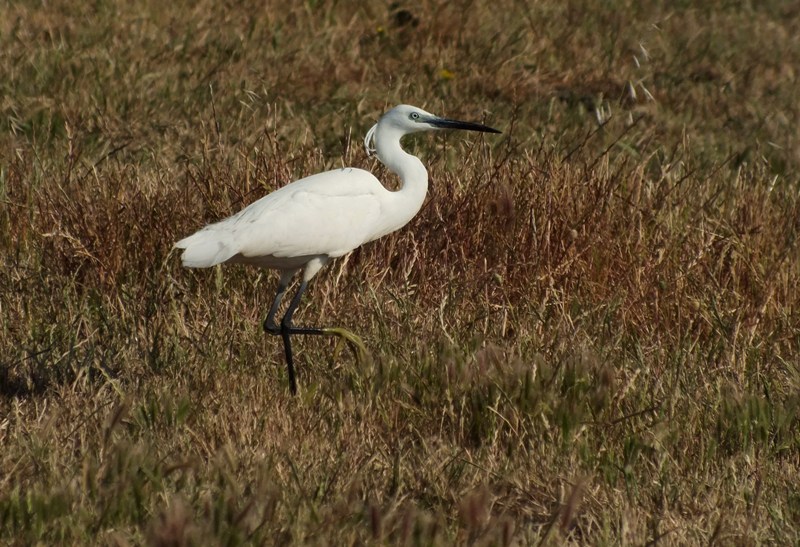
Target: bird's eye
<point>414,116</point>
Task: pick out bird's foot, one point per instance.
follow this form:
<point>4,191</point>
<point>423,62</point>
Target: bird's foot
<point>354,341</point>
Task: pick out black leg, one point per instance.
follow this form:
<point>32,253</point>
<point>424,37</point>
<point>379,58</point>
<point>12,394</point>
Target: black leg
<point>286,330</point>
<point>286,322</point>
<point>269,323</point>
<point>287,348</point>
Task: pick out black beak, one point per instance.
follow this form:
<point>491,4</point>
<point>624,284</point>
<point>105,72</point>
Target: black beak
<point>444,123</point>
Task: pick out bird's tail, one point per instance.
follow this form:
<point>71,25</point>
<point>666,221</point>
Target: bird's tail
<point>206,248</point>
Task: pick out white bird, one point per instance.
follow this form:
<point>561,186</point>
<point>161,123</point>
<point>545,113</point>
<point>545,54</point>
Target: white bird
<point>310,221</point>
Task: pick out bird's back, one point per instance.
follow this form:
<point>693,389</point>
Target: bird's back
<point>327,214</point>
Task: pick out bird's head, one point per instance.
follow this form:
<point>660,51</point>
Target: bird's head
<point>405,119</point>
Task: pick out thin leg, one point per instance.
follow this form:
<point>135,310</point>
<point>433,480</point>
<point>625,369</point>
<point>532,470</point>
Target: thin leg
<point>269,323</point>
<point>286,322</point>
<point>287,349</point>
<point>286,330</point>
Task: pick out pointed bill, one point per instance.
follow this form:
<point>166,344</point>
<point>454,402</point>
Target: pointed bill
<point>446,123</point>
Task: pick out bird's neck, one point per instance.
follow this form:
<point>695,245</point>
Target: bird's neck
<point>408,200</point>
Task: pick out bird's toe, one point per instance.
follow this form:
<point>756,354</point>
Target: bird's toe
<point>353,341</point>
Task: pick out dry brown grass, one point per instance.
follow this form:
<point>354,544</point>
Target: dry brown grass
<point>589,334</point>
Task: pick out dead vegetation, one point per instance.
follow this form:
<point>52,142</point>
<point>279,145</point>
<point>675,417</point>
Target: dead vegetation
<point>588,335</point>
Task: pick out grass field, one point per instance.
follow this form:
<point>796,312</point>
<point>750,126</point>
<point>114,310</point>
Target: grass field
<point>590,334</point>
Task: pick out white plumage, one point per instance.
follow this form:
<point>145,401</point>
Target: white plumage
<point>283,229</point>
<point>310,221</point>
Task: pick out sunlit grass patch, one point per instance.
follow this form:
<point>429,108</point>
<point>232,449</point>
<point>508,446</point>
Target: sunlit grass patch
<point>589,334</point>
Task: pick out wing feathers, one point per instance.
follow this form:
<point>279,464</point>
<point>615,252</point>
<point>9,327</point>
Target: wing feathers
<point>206,248</point>
<point>327,214</point>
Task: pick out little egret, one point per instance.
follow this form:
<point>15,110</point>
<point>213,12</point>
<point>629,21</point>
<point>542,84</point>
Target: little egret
<point>310,221</point>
